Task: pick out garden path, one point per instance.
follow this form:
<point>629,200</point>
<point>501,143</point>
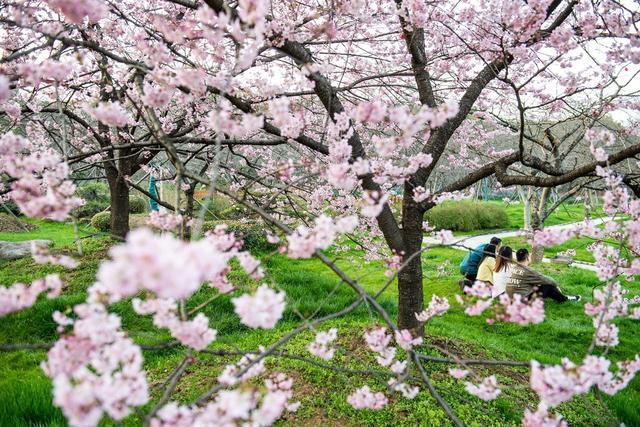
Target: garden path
<point>468,242</point>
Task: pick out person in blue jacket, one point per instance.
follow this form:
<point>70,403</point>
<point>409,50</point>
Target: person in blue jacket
<point>471,262</point>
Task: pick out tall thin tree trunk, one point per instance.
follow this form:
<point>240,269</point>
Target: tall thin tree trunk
<point>188,212</point>
<point>410,294</point>
<point>537,224</point>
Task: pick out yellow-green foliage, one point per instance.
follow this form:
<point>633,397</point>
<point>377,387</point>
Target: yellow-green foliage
<point>102,221</point>
<point>467,215</point>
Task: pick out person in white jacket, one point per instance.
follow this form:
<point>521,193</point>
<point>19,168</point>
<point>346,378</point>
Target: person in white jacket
<point>502,271</point>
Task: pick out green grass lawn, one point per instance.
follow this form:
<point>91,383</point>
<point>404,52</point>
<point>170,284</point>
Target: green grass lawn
<point>564,214</point>
<point>579,245</point>
<point>312,290</point>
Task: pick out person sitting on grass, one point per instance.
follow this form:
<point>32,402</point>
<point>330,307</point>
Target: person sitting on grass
<point>530,284</point>
<point>471,262</point>
<point>488,263</point>
<point>502,270</point>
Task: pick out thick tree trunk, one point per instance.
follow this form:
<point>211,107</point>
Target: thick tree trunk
<point>410,294</point>
<point>119,191</point>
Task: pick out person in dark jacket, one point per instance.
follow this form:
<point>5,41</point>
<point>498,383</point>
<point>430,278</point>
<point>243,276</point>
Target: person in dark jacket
<point>528,283</point>
<point>471,262</point>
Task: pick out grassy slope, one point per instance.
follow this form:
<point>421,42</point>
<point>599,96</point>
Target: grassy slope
<point>564,214</point>
<point>60,234</point>
<point>311,288</point>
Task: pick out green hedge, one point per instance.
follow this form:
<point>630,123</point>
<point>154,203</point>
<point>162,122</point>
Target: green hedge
<point>102,221</point>
<point>96,199</point>
<point>221,207</point>
<point>137,205</point>
<point>11,206</point>
<point>253,234</point>
<point>467,215</point>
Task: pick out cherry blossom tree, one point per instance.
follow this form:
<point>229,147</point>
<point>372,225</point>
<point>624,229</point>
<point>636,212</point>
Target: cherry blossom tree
<point>356,127</point>
<point>338,115</point>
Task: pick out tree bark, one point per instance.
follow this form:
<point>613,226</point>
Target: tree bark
<point>537,224</point>
<point>526,201</point>
<point>119,191</point>
<point>188,211</point>
<point>410,294</point>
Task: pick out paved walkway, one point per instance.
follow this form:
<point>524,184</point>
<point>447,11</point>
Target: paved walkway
<point>468,242</point>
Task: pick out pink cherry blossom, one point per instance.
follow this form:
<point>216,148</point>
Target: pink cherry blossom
<point>542,418</point>
<point>405,340</point>
<point>364,398</point>
<point>261,310</point>
<point>194,333</point>
<point>305,241</point>
<point>164,220</point>
<point>290,124</point>
<point>420,194</point>
<point>110,114</point>
<point>40,255</point>
<point>96,370</point>
<point>516,310</point>
<point>77,10</point>
<point>477,308</point>
<point>437,307</point>
<point>250,265</point>
<point>458,373</point>
<point>444,236</point>
<point>373,203</point>
<point>169,267</point>
<point>403,388</point>
<point>377,339</point>
<point>41,188</point>
<point>320,347</point>
<point>156,95</point>
<point>559,383</point>
<point>252,12</point>
<point>599,154</point>
<point>486,390</point>
<point>19,296</point>
<point>231,373</point>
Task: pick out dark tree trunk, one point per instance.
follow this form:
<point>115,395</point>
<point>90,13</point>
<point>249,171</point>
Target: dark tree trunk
<point>410,296</point>
<point>119,191</point>
<point>188,212</point>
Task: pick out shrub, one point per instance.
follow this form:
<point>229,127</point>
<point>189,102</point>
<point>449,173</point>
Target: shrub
<point>221,207</point>
<point>96,199</point>
<point>102,221</point>
<point>467,215</point>
<point>137,205</point>
<point>252,233</point>
<point>11,206</point>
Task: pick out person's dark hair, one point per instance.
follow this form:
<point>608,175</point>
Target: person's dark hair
<point>489,251</point>
<point>504,258</point>
<point>495,241</point>
<point>522,254</point>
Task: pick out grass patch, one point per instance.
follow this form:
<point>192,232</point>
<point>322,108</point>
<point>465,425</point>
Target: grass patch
<point>61,234</point>
<point>312,290</point>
